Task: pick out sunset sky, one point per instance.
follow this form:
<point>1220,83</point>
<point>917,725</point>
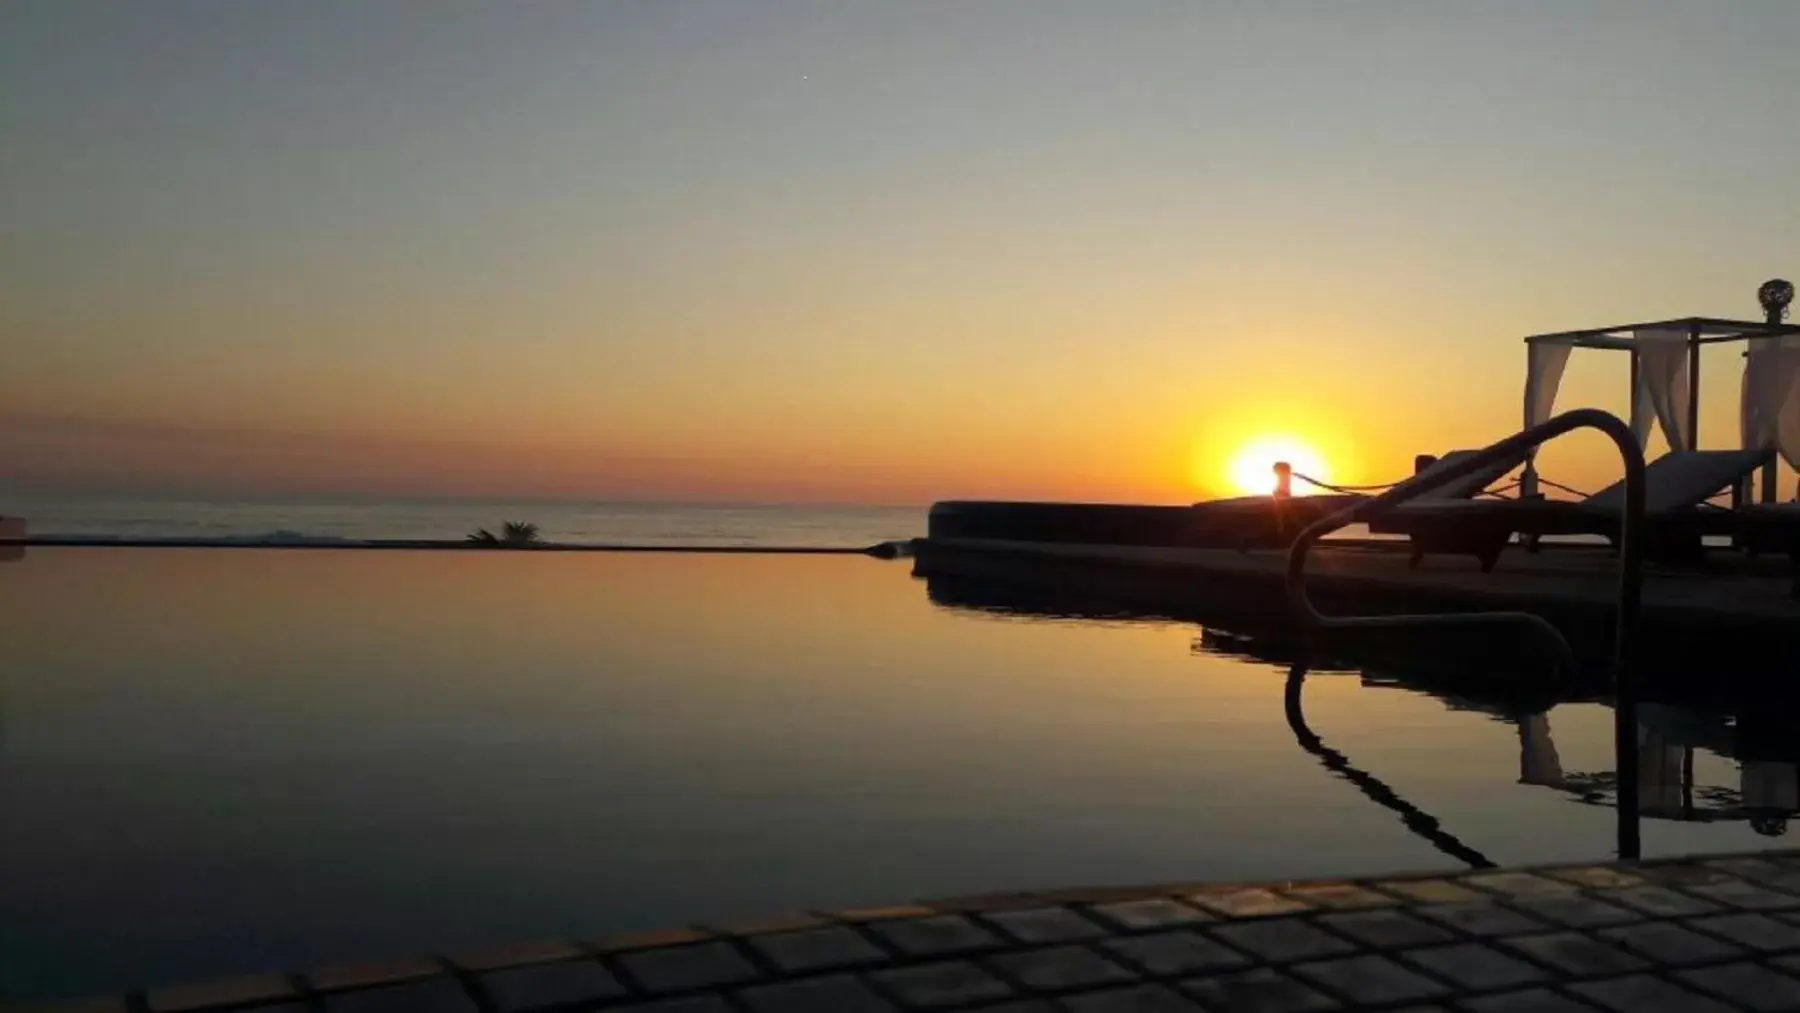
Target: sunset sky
<point>854,252</point>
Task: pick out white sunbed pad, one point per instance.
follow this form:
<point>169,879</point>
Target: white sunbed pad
<point>1677,481</point>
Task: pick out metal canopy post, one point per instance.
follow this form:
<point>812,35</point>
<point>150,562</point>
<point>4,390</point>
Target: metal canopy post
<point>1774,295</point>
<point>1693,407</point>
<point>1631,403</point>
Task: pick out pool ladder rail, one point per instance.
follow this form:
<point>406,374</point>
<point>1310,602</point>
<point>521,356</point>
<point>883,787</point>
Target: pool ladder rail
<point>1631,572</point>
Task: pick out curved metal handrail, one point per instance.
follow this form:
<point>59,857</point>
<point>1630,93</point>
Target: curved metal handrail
<point>1631,569</point>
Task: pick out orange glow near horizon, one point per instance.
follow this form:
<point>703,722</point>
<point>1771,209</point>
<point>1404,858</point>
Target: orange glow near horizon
<point>1251,470</point>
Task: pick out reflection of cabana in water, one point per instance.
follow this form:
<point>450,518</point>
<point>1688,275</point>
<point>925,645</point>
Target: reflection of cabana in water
<point>1665,378</point>
<point>1768,789</point>
<point>1764,745</point>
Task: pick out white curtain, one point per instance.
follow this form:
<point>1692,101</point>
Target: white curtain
<point>1769,414</point>
<point>1544,363</point>
<point>1662,355</point>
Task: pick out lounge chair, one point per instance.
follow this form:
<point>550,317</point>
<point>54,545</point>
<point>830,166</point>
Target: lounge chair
<point>1469,486</point>
<point>1677,486</point>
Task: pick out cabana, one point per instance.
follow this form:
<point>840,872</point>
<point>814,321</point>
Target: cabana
<point>1665,378</point>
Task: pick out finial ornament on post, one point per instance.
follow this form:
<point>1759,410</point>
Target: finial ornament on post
<point>1284,480</point>
<point>1775,295</point>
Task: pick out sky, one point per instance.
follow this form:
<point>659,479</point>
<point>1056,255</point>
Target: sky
<point>855,252</point>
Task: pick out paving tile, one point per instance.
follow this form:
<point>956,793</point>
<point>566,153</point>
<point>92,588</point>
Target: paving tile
<point>937,936</point>
<point>837,993</point>
<point>544,986</point>
<point>1166,954</point>
<point>1517,884</point>
<point>1638,992</point>
<point>876,914</point>
<point>1136,999</point>
<point>1338,896</point>
<point>1023,1006</point>
<point>1759,932</point>
<point>1575,911</point>
<point>1370,980</point>
<point>792,921</point>
<point>622,941</point>
<point>828,948</point>
<point>434,995</point>
<point>1150,913</point>
<point>1658,900</point>
<point>680,968</point>
<point>684,1004</point>
<point>1247,903</point>
<point>393,972</point>
<point>945,983</point>
<point>1596,876</point>
<point>1259,991</point>
<point>1789,964</point>
<point>1475,966</point>
<point>91,1004</point>
<point>1531,1000</point>
<point>1485,920</point>
<point>1432,891</point>
<point>1060,968</point>
<point>1045,925</point>
<point>256,988</point>
<point>515,956</point>
<point>1735,893</point>
<point>1281,940</point>
<point>1384,927</point>
<point>1573,953</point>
<point>1784,876</point>
<point>1749,985</point>
<point>1669,943</point>
<point>1681,874</point>
<point>1748,867</point>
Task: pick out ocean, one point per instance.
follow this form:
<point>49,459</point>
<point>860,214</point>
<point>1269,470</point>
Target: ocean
<point>293,521</point>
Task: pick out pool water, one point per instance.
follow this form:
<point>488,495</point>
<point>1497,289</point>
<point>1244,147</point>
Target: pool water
<point>221,761</point>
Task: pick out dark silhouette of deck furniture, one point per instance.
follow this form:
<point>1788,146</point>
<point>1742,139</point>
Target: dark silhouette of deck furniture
<point>1677,513</point>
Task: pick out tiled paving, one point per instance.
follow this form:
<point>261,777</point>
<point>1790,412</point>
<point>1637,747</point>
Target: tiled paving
<point>1706,934</point>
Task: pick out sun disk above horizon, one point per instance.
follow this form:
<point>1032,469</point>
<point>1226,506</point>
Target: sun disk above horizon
<point>1252,469</point>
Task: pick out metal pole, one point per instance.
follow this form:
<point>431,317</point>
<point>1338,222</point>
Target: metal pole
<point>1693,419</point>
<point>1631,405</point>
<point>1528,479</point>
<point>1772,314</point>
<point>1625,712</point>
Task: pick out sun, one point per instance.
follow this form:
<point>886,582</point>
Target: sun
<point>1252,468</point>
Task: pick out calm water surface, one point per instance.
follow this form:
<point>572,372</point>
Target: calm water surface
<point>218,761</point>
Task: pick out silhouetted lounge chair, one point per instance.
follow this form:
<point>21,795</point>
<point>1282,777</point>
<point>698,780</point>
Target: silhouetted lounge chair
<point>1677,486</point>
<point>1470,485</point>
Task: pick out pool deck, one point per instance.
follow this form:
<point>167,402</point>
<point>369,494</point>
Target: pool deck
<point>1744,604</point>
<point>1704,934</point>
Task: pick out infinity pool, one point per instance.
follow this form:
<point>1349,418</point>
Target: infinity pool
<point>222,761</point>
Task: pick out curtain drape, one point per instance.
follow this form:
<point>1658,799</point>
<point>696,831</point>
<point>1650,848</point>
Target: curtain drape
<point>1663,382</point>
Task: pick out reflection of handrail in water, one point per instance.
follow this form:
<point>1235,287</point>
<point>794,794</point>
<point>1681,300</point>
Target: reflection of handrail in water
<point>1416,820</point>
